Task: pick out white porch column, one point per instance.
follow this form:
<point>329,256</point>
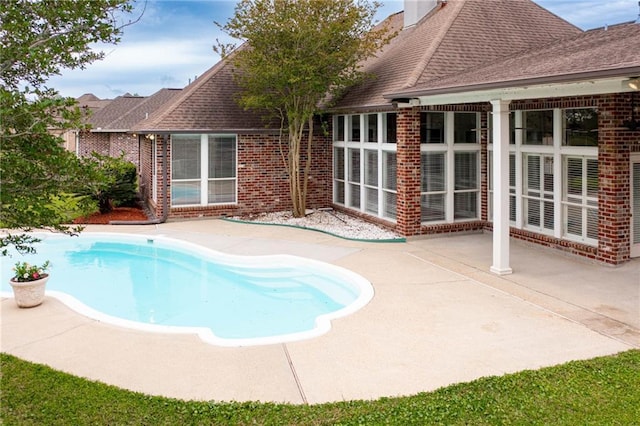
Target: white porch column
<point>500,187</point>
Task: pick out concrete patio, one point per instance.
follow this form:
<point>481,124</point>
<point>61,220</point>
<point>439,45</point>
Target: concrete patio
<point>438,317</point>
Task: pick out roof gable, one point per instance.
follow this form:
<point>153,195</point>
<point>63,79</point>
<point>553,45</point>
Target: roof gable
<point>599,53</point>
<point>209,104</point>
<point>455,36</point>
<point>125,111</point>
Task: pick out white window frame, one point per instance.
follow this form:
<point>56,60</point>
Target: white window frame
<point>559,151</point>
<point>449,148</point>
<point>204,171</point>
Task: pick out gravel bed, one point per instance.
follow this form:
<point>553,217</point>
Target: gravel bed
<point>328,221</point>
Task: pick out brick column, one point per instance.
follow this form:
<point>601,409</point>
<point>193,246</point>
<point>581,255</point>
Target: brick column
<point>408,172</point>
<point>614,175</point>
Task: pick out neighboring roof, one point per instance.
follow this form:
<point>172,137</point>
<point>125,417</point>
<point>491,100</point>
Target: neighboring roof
<point>457,35</point>
<point>125,111</point>
<point>92,102</point>
<point>600,53</point>
<point>206,105</point>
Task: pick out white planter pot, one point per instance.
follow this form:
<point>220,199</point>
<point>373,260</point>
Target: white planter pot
<point>29,293</point>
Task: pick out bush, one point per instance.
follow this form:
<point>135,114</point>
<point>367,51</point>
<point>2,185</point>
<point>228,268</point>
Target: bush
<point>113,181</point>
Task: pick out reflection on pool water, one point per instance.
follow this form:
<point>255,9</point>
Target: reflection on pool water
<point>167,285</point>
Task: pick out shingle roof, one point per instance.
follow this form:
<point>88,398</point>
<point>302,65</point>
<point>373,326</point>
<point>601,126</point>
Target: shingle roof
<point>125,111</point>
<point>206,105</point>
<point>457,35</point>
<point>610,52</point>
<point>92,102</point>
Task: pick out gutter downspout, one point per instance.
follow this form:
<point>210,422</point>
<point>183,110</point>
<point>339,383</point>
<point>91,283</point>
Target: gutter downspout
<point>165,202</point>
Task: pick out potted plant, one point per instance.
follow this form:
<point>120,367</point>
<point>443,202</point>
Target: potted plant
<point>28,283</point>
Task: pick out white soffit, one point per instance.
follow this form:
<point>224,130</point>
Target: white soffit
<point>554,90</point>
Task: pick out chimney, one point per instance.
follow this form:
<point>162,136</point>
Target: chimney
<point>414,10</point>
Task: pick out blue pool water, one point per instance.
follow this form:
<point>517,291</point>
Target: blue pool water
<point>161,284</point>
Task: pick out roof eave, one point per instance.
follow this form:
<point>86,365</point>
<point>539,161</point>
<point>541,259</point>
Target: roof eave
<point>523,84</point>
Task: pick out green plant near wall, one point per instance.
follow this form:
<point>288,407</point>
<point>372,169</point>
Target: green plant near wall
<point>113,181</point>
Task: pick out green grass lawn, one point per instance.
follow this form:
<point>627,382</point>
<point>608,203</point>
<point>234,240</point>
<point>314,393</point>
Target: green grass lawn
<point>601,391</point>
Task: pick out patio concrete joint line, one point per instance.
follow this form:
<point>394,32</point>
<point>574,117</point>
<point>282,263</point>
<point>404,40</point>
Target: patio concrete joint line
<point>295,375</point>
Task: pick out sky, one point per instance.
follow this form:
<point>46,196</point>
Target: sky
<point>173,41</point>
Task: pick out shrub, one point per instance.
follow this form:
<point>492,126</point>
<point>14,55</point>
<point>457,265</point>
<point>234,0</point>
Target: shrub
<point>113,181</point>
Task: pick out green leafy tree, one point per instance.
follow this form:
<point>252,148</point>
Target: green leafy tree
<point>297,55</point>
<point>37,40</point>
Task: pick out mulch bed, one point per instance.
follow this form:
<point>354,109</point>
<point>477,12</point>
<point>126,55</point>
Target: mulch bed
<point>118,213</point>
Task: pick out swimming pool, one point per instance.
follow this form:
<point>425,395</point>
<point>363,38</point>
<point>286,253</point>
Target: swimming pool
<point>167,285</point>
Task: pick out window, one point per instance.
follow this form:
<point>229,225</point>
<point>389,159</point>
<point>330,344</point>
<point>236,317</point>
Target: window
<point>354,178</point>
<point>580,127</point>
<point>371,181</point>
<point>465,126</point>
<point>371,128</point>
<point>338,175</point>
<point>203,169</point>
<point>538,127</point>
<point>339,128</point>
<point>222,169</point>
<point>538,192</point>
<point>391,129</point>
<point>433,186</point>
<point>432,127</point>
<point>354,121</point>
<point>580,198</point>
<point>389,183</point>
<point>185,169</point>
<point>466,185</point>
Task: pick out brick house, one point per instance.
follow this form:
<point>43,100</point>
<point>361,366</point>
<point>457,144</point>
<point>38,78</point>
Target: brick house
<point>482,115</point>
<point>110,124</point>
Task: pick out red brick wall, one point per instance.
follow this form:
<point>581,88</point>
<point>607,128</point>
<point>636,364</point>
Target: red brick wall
<point>111,144</point>
<point>614,206</point>
<point>408,165</point>
<point>262,179</point>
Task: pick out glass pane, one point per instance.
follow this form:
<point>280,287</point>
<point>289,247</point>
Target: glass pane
<point>391,130</point>
<point>592,178</point>
<point>371,203</point>
<point>222,191</point>
<point>465,205</point>
<point>432,127</point>
<point>512,208</point>
<point>433,172</point>
<point>466,170</point>
<point>390,172</point>
<point>532,207</point>
<point>432,207</point>
<point>574,176</point>
<point>185,193</point>
<point>222,157</point>
<point>548,215</point>
<point>512,170</point>
<point>185,157</point>
<point>538,127</point>
<point>338,163</point>
<point>339,192</point>
<point>465,126</point>
<point>354,197</point>
<point>371,132</point>
<point>340,127</point>
<point>390,201</point>
<point>533,172</point>
<point>371,168</point>
<point>355,128</point>
<point>354,165</point>
<point>581,127</point>
<point>574,220</point>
